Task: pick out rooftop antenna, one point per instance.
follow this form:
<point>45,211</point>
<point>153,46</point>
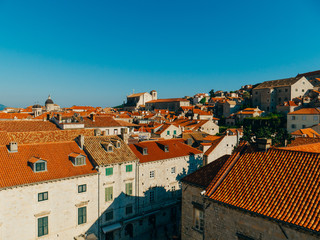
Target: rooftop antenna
<point>132,91</point>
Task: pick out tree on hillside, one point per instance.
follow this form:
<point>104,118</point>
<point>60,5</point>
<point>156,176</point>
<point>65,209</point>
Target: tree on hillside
<point>203,100</point>
<point>211,93</point>
<point>271,126</point>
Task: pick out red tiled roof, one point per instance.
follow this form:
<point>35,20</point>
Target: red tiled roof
<point>16,171</point>
<point>156,152</point>
<point>105,122</point>
<point>279,184</point>
<point>309,132</point>
<point>169,100</point>
<point>27,126</point>
<point>306,111</point>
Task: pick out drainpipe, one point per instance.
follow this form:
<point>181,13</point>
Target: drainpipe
<point>99,218</point>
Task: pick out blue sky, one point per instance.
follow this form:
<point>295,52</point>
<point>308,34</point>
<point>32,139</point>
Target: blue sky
<point>96,52</point>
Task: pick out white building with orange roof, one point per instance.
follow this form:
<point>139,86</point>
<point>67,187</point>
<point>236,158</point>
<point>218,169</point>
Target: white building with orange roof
<point>161,165</point>
<point>248,112</point>
<point>303,118</point>
<point>47,191</point>
<point>136,100</point>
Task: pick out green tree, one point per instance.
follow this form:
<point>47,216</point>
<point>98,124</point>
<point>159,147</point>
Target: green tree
<point>271,126</point>
<point>211,93</point>
<point>203,100</point>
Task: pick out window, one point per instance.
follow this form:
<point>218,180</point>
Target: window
<point>256,93</point>
<point>173,170</point>
<point>168,132</point>
<point>286,90</point>
<point>296,89</point>
<point>82,188</point>
<point>109,215</point>
<point>110,148</point>
<point>82,215</point>
<point>293,117</point>
<point>42,226</point>
<point>129,189</point>
<point>315,118</point>
<point>302,90</point>
<point>151,196</point>
<point>81,160</point>
<point>145,151</point>
<point>293,126</point>
<point>304,117</point>
<point>129,209</point>
<point>198,220</point>
<point>303,126</point>
<point>173,191</point>
<point>166,148</point>
<point>109,171</point>
<point>174,132</point>
<point>42,196</point>
<point>279,99</point>
<point>152,174</point>
<point>115,131</point>
<point>109,194</point>
<point>279,90</point>
<point>118,145</point>
<point>129,168</point>
<point>40,166</point>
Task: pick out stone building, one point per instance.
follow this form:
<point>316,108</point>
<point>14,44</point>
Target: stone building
<point>138,100</point>
<point>247,197</point>
<point>117,184</point>
<point>171,104</point>
<point>161,165</point>
<point>303,118</point>
<point>269,94</point>
<point>47,191</point>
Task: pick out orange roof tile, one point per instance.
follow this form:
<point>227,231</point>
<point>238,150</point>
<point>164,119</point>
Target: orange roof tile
<point>16,171</point>
<point>308,132</point>
<point>177,148</point>
<point>169,100</point>
<point>278,184</point>
<point>306,111</point>
<point>27,126</point>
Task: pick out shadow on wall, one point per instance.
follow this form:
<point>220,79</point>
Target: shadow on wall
<point>156,215</point>
<point>194,163</point>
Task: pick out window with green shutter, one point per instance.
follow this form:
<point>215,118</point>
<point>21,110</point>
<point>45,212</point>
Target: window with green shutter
<point>82,215</point>
<point>109,194</point>
<point>174,132</point>
<point>129,168</point>
<point>168,132</point>
<point>42,226</point>
<point>129,189</point>
<point>109,171</point>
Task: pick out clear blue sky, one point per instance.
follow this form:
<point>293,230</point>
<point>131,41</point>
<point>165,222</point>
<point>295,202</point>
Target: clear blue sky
<point>96,52</point>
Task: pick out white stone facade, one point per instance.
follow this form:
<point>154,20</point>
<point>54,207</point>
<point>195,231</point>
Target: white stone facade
<point>20,209</point>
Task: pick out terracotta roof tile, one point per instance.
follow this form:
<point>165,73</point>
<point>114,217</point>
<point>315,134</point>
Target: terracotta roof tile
<point>27,126</point>
<point>94,147</point>
<point>306,111</point>
<point>279,184</point>
<point>177,148</point>
<point>16,171</point>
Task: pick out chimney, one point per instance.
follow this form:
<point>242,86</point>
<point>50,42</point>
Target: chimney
<point>13,147</point>
<point>93,117</point>
<point>97,132</point>
<point>125,135</point>
<point>81,141</point>
<point>59,118</point>
<point>263,144</point>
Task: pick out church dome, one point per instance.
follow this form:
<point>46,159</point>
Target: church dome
<point>36,106</point>
<point>49,101</point>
